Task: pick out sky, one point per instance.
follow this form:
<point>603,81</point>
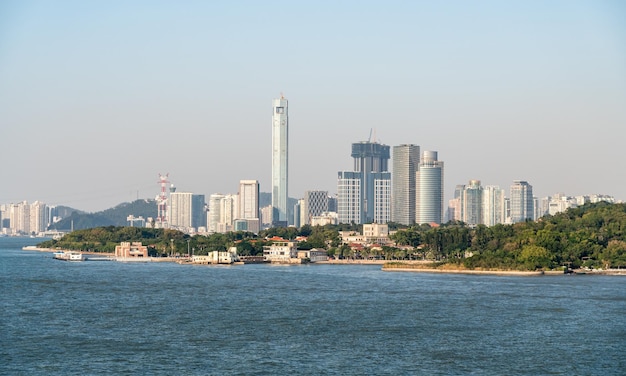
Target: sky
<point>97,98</point>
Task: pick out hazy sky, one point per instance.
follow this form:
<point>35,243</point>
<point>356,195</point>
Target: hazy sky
<point>99,97</point>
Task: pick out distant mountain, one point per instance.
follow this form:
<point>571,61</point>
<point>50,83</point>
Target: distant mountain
<point>66,211</point>
<point>116,216</point>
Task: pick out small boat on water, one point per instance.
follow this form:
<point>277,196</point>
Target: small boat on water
<point>69,256</point>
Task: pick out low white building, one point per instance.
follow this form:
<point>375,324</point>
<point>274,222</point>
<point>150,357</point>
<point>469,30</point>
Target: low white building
<point>313,255</point>
<point>217,257</point>
<point>281,252</point>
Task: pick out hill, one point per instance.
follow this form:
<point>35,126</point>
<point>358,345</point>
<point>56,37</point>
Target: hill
<point>116,216</point>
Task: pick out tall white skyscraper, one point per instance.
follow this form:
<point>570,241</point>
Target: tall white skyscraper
<point>222,212</point>
<point>521,201</point>
<point>248,199</point>
<point>493,205</point>
<point>472,202</point>
<point>349,197</point>
<point>186,211</point>
<point>406,159</point>
<point>280,150</point>
<point>249,204</point>
<point>38,217</point>
<point>429,187</point>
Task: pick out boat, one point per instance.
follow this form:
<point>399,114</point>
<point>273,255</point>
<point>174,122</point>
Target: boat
<point>69,256</point>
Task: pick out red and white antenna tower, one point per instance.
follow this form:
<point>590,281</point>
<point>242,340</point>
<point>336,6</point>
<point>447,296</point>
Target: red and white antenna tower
<point>161,200</point>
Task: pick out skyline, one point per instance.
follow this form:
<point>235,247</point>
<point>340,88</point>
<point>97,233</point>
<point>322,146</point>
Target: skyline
<point>97,99</point>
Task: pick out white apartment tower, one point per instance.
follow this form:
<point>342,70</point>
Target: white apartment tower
<point>472,202</point>
<point>249,204</point>
<point>429,189</point>
<point>493,205</point>
<point>186,211</point>
<point>521,201</point>
<point>222,212</point>
<point>248,199</point>
<point>280,150</point>
<point>406,159</point>
<point>349,197</point>
<point>38,217</point>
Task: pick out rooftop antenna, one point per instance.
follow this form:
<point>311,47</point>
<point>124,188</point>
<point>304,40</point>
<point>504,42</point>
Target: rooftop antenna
<point>370,137</point>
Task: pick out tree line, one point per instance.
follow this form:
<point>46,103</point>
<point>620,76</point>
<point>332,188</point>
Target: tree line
<point>592,236</point>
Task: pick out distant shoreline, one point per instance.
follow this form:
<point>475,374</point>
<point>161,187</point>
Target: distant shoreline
<point>414,266</point>
<point>470,271</point>
<point>408,268</point>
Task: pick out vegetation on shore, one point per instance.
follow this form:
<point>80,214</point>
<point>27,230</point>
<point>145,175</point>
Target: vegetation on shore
<point>593,235</point>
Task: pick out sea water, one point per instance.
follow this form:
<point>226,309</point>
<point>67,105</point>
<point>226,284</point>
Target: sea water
<point>65,318</point>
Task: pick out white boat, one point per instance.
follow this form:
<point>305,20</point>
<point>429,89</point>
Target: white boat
<point>69,256</point>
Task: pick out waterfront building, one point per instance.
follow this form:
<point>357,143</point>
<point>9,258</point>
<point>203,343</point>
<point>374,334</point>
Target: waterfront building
<point>364,195</point>
<point>493,205</point>
<point>406,160</point>
<point>281,251</point>
<point>128,249</point>
<point>429,189</point>
<point>280,150</point>
<point>521,201</point>
<point>313,255</point>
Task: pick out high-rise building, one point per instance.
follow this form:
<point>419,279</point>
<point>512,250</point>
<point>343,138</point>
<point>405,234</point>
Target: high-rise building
<point>382,197</point>
<point>20,218</point>
<point>406,160</point>
<point>186,211</point>
<point>349,197</point>
<point>472,203</point>
<point>248,199</point>
<point>280,149</point>
<point>493,205</point>
<point>313,204</point>
<point>38,217</point>
<point>364,195</point>
<point>455,206</point>
<point>521,201</point>
<point>429,189</point>
<point>215,212</point>
<point>332,204</point>
<point>222,212</point>
<point>249,204</point>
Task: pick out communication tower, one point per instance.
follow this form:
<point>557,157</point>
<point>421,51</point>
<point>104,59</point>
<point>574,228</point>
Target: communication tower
<point>161,199</point>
